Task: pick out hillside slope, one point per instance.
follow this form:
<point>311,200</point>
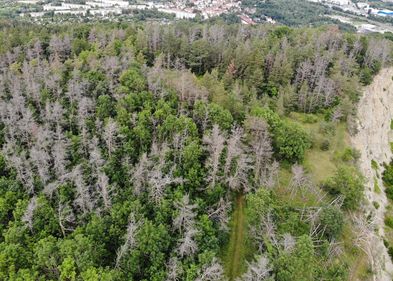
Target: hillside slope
<point>375,112</point>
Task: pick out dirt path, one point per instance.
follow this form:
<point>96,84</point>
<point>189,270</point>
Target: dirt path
<point>237,242</point>
<point>375,112</point>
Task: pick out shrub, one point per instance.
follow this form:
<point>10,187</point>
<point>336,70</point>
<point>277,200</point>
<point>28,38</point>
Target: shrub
<point>325,145</point>
<point>366,76</point>
<point>348,183</point>
<point>389,192</point>
<point>376,205</point>
<point>332,221</point>
<point>310,118</point>
<point>291,142</point>
<point>377,189</point>
<point>390,252</point>
<point>374,165</point>
<point>389,221</point>
<point>350,155</point>
<point>387,175</point>
<point>327,128</point>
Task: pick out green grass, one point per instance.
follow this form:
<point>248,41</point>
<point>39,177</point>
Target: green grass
<point>377,189</point>
<point>321,165</point>
<point>374,165</point>
<point>236,252</point>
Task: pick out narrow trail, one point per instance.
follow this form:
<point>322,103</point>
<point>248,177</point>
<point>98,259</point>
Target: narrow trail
<point>236,248</point>
<point>375,112</point>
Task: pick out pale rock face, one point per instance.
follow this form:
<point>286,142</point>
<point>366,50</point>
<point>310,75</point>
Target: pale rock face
<point>375,112</point>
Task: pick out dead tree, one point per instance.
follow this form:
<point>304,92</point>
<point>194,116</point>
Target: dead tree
<point>84,200</point>
<point>258,270</point>
<point>186,214</point>
<point>174,270</point>
<point>288,242</point>
<point>261,149</point>
<point>66,218</point>
<point>299,180</point>
<point>110,135</point>
<point>215,145</point>
<point>187,244</point>
<point>139,174</point>
<point>104,188</point>
<point>212,271</point>
<point>219,212</point>
<point>28,215</point>
<point>129,239</point>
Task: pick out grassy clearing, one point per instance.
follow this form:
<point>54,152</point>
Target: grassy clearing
<point>236,252</point>
<point>321,164</point>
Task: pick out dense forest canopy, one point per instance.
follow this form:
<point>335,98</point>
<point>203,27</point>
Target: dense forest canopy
<point>126,151</point>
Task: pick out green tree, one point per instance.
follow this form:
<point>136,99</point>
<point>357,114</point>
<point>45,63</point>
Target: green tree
<point>133,81</point>
<point>298,265</point>
<point>348,183</point>
<point>67,270</point>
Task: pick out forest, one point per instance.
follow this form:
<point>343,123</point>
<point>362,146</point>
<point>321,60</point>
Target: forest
<point>185,151</point>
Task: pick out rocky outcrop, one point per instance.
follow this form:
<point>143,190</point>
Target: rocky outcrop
<point>375,112</point>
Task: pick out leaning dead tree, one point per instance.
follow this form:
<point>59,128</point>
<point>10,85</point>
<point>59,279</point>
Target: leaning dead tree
<point>368,241</point>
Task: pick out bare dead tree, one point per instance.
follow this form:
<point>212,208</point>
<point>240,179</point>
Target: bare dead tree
<point>95,159</point>
<point>234,149</point>
<point>378,50</point>
<point>271,174</point>
<point>84,199</point>
<point>66,217</point>
<point>129,239</point>
<point>59,155</point>
<point>258,270</point>
<point>139,174</point>
<point>85,109</point>
<point>104,188</point>
<point>40,158</point>
<point>187,244</point>
<point>179,140</point>
<point>219,212</point>
<point>215,145</point>
<point>335,250</point>
<point>366,239</point>
<point>288,242</point>
<point>269,228</point>
<point>110,134</point>
<point>299,180</point>
<point>22,166</point>
<point>174,270</point>
<point>261,148</point>
<point>239,180</point>
<point>186,214</point>
<point>212,271</point>
<point>158,181</point>
<point>185,84</point>
<point>28,215</point>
